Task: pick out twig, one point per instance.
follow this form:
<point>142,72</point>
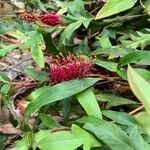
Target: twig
<point>94,34</point>
<point>95,9</point>
<point>60,129</point>
<point>10,40</point>
<point>136,110</point>
<point>104,77</point>
<point>26,84</point>
<point>22,90</point>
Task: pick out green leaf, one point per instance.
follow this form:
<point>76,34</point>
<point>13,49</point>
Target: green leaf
<point>83,47</point>
<point>47,37</point>
<point>37,55</point>
<point>20,36</point>
<point>64,140</point>
<point>113,52</point>
<point>25,143</point>
<point>111,66</point>
<point>104,42</point>
<point>120,117</point>
<point>141,40</point>
<point>3,77</point>
<point>34,41</point>
<point>143,73</point>
<point>3,138</point>
<point>110,134</point>
<point>40,5</point>
<point>36,93</point>
<point>88,101</point>
<point>140,87</point>
<point>66,108</point>
<point>133,58</point>
<point>48,121</point>
<point>59,92</point>
<point>113,100</point>
<point>6,49</point>
<point>5,88</point>
<point>137,140</point>
<point>114,7</point>
<point>37,137</point>
<point>144,120</point>
<point>37,75</point>
<point>87,119</point>
<point>79,16</point>
<point>76,8</point>
<point>88,139</point>
<point>67,33</point>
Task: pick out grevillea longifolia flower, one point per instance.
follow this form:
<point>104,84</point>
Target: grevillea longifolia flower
<point>70,67</point>
<point>50,18</point>
<point>27,16</point>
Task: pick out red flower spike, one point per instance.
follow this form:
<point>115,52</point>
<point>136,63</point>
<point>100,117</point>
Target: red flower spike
<point>67,68</point>
<point>50,19</point>
<point>27,16</point>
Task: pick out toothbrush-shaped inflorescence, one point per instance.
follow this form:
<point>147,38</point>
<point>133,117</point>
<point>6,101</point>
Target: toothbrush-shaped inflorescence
<point>50,19</point>
<point>70,67</point>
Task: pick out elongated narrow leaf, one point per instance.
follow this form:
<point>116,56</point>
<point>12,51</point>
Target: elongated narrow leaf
<point>87,138</point>
<point>88,101</point>
<point>3,77</point>
<point>37,55</point>
<point>120,117</point>
<point>37,75</point>
<point>137,140</point>
<point>62,140</point>
<point>3,138</point>
<point>133,58</point>
<point>47,37</point>
<point>36,93</point>
<point>113,7</point>
<point>113,100</point>
<point>67,33</point>
<point>142,40</point>
<point>87,119</point>
<point>140,87</point>
<point>143,73</point>
<point>48,121</point>
<point>5,88</point>
<point>6,49</point>
<point>59,92</point>
<point>144,119</point>
<point>25,143</point>
<point>110,134</point>
<point>111,66</point>
<point>37,137</point>
<point>34,41</point>
<point>66,108</point>
<point>104,42</point>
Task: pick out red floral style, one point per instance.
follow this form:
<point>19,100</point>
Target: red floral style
<point>70,67</point>
<point>51,18</point>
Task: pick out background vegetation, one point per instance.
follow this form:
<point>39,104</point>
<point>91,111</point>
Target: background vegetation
<point>105,108</point>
